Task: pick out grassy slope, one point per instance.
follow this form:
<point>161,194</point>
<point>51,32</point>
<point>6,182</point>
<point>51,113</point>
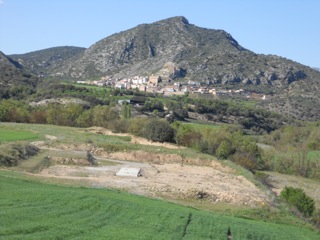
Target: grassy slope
<point>14,135</point>
<point>69,135</point>
<point>310,186</point>
<point>33,210</point>
<point>79,136</point>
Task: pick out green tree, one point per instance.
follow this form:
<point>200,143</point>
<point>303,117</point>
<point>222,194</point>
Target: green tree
<point>187,136</point>
<point>53,113</point>
<point>158,130</point>
<point>14,111</point>
<point>126,111</point>
<point>153,104</point>
<point>225,149</point>
<point>104,115</point>
<point>297,198</point>
<point>85,119</point>
<point>71,112</point>
<point>136,125</point>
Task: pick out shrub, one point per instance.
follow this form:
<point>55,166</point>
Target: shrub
<point>153,104</point>
<point>246,160</point>
<point>112,147</point>
<point>136,125</point>
<point>158,130</point>
<point>316,219</point>
<point>91,159</point>
<point>120,126</point>
<point>187,136</point>
<point>44,163</point>
<point>296,197</point>
<point>13,154</point>
<point>224,150</point>
<point>263,178</point>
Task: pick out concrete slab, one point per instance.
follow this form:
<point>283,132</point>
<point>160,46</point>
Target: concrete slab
<point>129,172</point>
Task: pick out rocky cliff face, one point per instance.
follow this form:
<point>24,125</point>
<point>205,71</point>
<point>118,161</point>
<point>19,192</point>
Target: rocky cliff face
<point>195,53</point>
<point>146,48</point>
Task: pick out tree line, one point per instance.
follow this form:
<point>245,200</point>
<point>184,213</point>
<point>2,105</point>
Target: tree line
<point>224,143</point>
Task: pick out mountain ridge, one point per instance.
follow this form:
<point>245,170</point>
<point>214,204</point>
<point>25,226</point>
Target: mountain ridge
<point>177,50</point>
<point>15,80</point>
<point>49,60</point>
<point>149,46</point>
<point>197,53</point>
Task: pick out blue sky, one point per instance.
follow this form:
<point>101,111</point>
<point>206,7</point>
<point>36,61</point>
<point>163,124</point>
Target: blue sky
<point>288,28</point>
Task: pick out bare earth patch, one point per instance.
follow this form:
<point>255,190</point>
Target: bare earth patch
<point>169,180</point>
<point>167,176</point>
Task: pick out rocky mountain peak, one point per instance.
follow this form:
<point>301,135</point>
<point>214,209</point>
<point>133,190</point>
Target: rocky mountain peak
<point>144,50</point>
<point>174,20</point>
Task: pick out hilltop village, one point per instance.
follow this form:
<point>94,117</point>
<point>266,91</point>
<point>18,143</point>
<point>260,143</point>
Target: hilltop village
<point>155,84</point>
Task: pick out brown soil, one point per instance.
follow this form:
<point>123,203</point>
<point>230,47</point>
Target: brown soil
<point>163,175</point>
<point>169,180</point>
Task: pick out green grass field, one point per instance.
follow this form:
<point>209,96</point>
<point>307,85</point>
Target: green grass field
<point>203,127</point>
<point>34,210</point>
<point>69,135</point>
<point>7,135</point>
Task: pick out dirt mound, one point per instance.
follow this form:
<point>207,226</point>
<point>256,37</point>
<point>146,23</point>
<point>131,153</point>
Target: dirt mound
<point>140,156</point>
<point>69,161</point>
<point>13,153</point>
<point>134,139</point>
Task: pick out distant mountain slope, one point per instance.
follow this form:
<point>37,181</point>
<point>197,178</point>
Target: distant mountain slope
<point>48,61</point>
<point>172,48</point>
<point>147,47</point>
<point>175,49</point>
<point>12,74</point>
<point>196,53</point>
<point>205,55</point>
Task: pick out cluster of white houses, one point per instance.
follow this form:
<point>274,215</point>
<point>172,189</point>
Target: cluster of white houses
<point>155,84</point>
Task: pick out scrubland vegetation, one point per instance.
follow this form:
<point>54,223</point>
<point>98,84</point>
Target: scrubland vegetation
<point>291,149</point>
<point>254,139</point>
